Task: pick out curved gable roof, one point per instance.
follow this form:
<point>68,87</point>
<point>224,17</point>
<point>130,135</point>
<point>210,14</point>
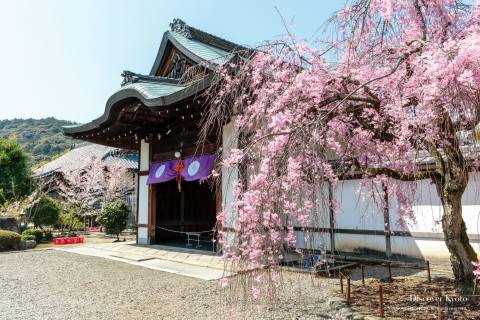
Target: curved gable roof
<point>197,45</point>
<point>150,93</point>
<point>153,91</point>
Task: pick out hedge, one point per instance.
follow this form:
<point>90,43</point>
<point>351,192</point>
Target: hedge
<point>29,237</point>
<point>9,240</point>
<point>37,233</point>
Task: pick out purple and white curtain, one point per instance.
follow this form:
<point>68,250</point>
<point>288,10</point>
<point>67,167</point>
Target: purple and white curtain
<point>193,168</point>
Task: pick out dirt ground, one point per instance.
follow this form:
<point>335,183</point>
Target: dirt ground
<point>410,295</point>
<point>416,299</point>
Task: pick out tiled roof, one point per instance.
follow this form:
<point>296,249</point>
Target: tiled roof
<point>202,50</point>
<point>153,90</point>
<point>201,47</point>
<point>80,157</point>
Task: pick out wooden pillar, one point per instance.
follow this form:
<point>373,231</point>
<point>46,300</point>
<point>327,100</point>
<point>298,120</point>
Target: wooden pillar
<point>386,221</point>
<point>182,211</point>
<point>152,199</point>
<point>152,213</point>
<point>331,198</point>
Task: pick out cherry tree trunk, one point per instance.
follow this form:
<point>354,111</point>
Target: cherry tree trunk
<point>455,232</point>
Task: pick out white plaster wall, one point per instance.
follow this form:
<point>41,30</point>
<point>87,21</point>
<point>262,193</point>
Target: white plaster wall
<point>312,240</point>
<point>427,208</point>
<point>471,204</point>
<point>142,235</point>
<point>144,155</point>
<point>357,211</point>
<point>322,219</point>
<point>362,212</point>
<point>143,200</point>
<point>431,249</point>
<point>229,176</point>
<point>354,242</point>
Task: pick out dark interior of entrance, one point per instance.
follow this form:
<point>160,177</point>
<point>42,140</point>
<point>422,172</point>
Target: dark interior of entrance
<point>191,210</point>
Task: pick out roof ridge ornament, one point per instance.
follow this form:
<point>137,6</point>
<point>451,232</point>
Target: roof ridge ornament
<point>179,26</point>
<point>132,77</point>
<point>129,77</point>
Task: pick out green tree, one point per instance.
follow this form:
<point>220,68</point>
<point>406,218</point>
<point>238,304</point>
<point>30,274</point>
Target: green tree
<point>69,219</point>
<point>114,217</point>
<point>44,212</point>
<point>15,174</point>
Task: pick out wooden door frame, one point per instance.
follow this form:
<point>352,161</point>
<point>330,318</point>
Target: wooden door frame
<point>152,204</point>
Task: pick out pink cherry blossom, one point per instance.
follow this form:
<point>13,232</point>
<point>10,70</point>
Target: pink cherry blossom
<point>389,92</point>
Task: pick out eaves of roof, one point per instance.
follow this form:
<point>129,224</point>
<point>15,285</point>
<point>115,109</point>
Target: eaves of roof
<point>151,94</point>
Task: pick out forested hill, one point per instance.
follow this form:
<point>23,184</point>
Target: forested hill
<point>42,138</point>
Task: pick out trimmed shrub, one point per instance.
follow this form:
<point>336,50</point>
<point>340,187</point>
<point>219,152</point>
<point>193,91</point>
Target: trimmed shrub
<point>114,217</point>
<point>29,237</point>
<point>44,212</point>
<point>70,220</point>
<point>71,234</point>
<point>9,240</point>
<point>22,228</point>
<point>47,236</point>
<point>36,233</point>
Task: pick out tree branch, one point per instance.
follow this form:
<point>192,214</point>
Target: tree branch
<point>398,175</point>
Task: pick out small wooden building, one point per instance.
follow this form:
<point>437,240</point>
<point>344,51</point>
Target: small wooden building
<point>159,115</point>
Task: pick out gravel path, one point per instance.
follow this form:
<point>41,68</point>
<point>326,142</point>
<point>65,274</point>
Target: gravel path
<point>49,284</point>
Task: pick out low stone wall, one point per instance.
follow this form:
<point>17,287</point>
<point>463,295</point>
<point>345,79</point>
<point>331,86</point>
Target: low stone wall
<point>8,223</point>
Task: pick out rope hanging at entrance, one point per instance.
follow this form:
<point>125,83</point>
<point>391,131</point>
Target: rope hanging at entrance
<point>194,234</point>
<point>183,232</point>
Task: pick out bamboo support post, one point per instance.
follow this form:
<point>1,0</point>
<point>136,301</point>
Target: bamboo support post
<point>348,291</point>
<point>363,274</point>
<point>341,283</point>
<point>390,279</point>
<point>439,306</point>
<point>429,277</point>
<point>380,292</point>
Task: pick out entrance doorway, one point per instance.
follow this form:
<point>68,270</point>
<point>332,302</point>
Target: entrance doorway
<point>186,218</point>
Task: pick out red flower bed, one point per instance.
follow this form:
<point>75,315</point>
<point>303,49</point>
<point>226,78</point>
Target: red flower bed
<point>71,240</point>
<point>95,229</point>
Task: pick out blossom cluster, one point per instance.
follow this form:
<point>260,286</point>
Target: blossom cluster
<point>380,110</point>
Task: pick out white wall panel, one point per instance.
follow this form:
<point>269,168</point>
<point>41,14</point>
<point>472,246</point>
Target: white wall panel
<point>357,211</point>
<point>142,200</point>
<point>358,242</point>
<point>312,240</point>
<point>142,235</point>
<point>144,156</point>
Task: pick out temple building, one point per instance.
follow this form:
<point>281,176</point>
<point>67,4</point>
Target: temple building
<point>58,177</point>
<point>159,115</point>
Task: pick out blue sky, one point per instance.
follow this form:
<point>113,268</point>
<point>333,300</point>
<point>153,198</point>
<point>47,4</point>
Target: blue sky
<point>64,58</point>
